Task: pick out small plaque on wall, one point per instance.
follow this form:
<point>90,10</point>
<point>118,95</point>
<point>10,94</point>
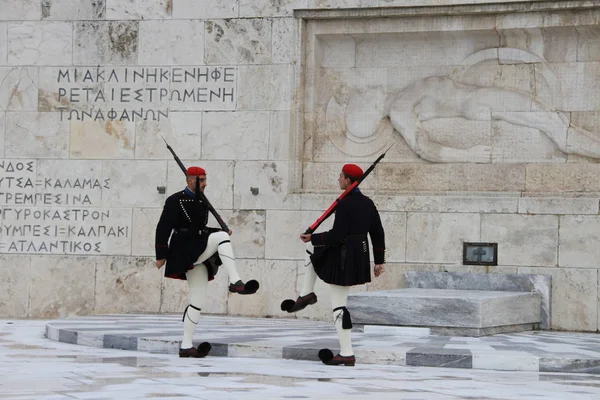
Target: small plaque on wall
<point>480,253</point>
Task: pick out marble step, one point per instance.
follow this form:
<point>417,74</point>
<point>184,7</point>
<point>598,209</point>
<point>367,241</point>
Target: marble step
<point>478,281</point>
<point>396,330</point>
<point>448,311</point>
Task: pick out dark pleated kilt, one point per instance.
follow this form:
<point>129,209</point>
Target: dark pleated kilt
<point>184,250</point>
<point>334,267</point>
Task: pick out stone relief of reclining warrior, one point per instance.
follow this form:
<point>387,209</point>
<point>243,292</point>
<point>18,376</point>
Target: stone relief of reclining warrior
<point>442,97</point>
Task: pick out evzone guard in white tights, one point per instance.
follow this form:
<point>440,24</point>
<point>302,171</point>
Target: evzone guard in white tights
<point>194,253</point>
<point>340,257</point>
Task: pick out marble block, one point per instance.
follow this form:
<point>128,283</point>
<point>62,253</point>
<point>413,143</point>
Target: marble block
<point>3,43</point>
<point>337,51</point>
<point>516,144</point>
<point>270,8</point>
<point>238,41</point>
<point>40,43</point>
<point>578,241</point>
<point>446,308</point>
<point>20,10</point>
<point>395,275</point>
<point>237,135</point>
<point>61,286</point>
<point>421,48</point>
<point>558,44</point>
<point>413,177</point>
<point>480,204</point>
<point>186,9</point>
<point>572,177</point>
<point>33,134</point>
<point>394,225</point>
<point>171,42</point>
<point>408,203</point>
<point>2,132</point>
<point>248,231</point>
<point>580,90</point>
<point>66,10</point>
<point>144,230</point>
<point>284,36</point>
<point>138,9</point>
<point>263,185</point>
<point>182,130</point>
<point>541,284</point>
<point>134,183</point>
<point>102,139</point>
<point>558,205</point>
<point>105,42</point>
<point>18,88</point>
<point>523,240</point>
<point>424,229</point>
<point>127,284</point>
<point>574,297</point>
<point>14,296</point>
<point>279,136</point>
<point>265,87</point>
<point>588,48</point>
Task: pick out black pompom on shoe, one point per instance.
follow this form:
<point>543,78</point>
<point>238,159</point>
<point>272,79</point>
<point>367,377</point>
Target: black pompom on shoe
<point>204,349</point>
<point>200,352</point>
<point>239,287</point>
<point>328,358</point>
<point>287,305</point>
<point>325,355</point>
<point>251,287</point>
<point>300,304</point>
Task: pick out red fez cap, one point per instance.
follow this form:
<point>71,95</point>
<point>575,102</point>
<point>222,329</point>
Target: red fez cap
<point>352,170</point>
<point>195,171</point>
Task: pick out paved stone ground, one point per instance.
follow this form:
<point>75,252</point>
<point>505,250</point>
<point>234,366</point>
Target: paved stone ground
<point>538,351</point>
<point>35,368</point>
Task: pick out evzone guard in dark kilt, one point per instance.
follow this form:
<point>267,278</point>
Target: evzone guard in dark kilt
<point>193,252</point>
<point>340,257</point>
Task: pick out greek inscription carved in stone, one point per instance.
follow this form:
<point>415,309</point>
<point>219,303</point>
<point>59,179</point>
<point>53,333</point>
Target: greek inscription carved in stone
<point>144,93</point>
<point>55,214</point>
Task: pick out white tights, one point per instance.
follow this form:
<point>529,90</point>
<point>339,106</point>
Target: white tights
<point>310,276</point>
<point>219,242</point>
<point>339,298</point>
<point>197,279</point>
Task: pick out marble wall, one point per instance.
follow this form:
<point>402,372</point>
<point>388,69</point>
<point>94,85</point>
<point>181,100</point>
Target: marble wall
<point>494,117</point>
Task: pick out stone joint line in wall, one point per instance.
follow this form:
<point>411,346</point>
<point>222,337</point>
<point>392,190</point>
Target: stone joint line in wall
<point>458,9</point>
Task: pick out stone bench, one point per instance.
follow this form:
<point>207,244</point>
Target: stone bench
<point>459,304</point>
<point>448,311</point>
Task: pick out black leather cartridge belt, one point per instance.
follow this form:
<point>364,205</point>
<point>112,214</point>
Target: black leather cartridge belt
<point>187,230</point>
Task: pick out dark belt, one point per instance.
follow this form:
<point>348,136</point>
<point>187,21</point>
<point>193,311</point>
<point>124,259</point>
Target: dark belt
<point>187,230</point>
<point>353,238</point>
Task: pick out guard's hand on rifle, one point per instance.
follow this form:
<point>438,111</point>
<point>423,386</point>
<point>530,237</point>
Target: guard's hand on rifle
<point>305,237</point>
<point>160,263</point>
<point>378,269</point>
<point>230,232</point>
